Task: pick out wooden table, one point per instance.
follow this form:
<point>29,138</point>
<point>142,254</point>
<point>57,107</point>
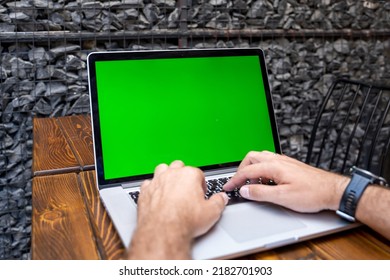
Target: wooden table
<point>70,222</point>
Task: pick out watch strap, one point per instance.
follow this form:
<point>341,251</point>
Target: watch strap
<point>352,195</point>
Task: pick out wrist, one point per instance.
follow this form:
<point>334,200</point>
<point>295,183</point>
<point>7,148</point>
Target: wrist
<point>354,191</point>
<point>167,242</point>
<point>340,183</point>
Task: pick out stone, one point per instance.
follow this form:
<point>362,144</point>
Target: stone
<point>38,56</point>
<point>173,18</point>
<point>259,9</point>
<point>60,50</point>
<point>55,88</point>
<point>6,27</point>
<point>166,4</point>
<point>342,46</point>
<point>42,107</point>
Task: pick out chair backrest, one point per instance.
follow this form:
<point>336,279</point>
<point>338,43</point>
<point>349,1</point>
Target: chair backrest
<point>352,128</point>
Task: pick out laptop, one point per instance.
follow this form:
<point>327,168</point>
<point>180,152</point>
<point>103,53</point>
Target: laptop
<point>206,107</point>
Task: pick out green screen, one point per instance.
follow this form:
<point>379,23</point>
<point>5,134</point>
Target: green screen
<point>204,111</point>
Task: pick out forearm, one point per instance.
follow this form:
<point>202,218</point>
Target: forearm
<point>374,209</point>
<point>147,243</point>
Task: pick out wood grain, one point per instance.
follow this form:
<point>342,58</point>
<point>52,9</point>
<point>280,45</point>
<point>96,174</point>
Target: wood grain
<point>60,225</point>
<point>51,152</point>
<point>78,132</point>
<point>107,236</point>
<point>357,244</point>
<point>299,251</point>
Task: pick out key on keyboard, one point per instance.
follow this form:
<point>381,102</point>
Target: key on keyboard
<point>134,196</point>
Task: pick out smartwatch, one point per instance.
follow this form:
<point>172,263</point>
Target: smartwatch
<point>360,180</point>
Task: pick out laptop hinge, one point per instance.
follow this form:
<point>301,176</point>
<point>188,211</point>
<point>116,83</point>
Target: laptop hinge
<point>131,185</point>
<point>220,171</point>
<point>102,187</point>
<point>137,184</point>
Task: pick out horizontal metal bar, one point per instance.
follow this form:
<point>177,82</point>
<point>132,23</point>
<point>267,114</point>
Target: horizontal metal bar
<point>42,36</point>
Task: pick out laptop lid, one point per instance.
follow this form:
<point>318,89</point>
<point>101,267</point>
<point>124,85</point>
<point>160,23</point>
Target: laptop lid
<point>207,108</point>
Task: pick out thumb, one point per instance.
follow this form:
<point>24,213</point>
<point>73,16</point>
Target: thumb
<point>260,193</point>
<point>214,208</point>
<point>219,200</point>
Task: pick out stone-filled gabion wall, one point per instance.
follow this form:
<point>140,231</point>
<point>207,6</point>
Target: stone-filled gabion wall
<point>119,15</point>
<point>44,45</point>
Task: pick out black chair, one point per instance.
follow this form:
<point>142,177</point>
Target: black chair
<point>352,128</point>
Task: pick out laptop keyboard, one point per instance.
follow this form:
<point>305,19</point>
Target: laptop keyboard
<point>213,186</point>
<point>216,185</point>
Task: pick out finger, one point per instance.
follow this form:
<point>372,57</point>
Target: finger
<point>176,164</point>
<point>220,199</point>
<point>242,175</point>
<point>250,158</point>
<point>215,206</point>
<point>160,169</point>
<point>144,187</point>
<point>263,193</point>
<point>145,184</point>
<point>204,186</point>
<point>255,171</point>
<point>277,195</point>
<point>255,157</point>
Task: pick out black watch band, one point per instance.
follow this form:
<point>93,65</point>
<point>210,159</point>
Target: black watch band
<point>353,192</point>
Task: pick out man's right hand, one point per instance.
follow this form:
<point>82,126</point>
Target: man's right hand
<point>299,186</point>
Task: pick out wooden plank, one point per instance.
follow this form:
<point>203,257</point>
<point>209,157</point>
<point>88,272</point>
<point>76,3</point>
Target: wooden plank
<point>60,225</point>
<point>51,152</point>
<point>300,251</point>
<point>107,236</point>
<point>357,244</point>
<point>79,135</point>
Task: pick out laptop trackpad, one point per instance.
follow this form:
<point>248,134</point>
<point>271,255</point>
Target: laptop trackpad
<point>250,221</point>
